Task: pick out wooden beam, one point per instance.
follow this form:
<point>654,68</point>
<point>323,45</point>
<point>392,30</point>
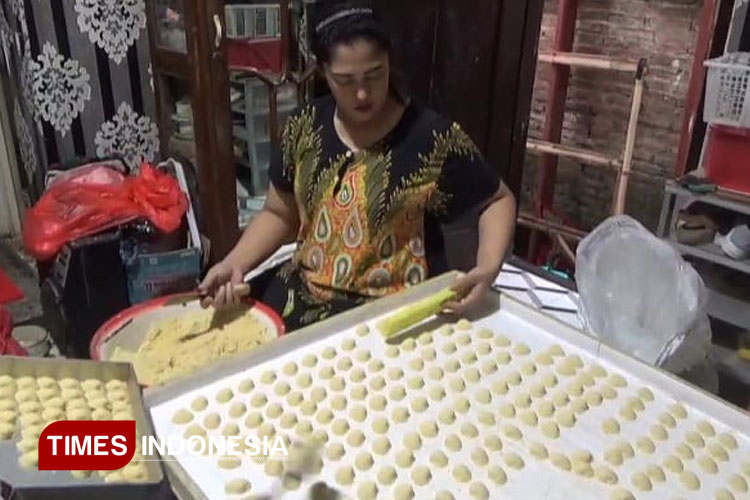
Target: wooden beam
<point>588,61</point>
<point>583,155</point>
<point>624,175</point>
<point>552,228</point>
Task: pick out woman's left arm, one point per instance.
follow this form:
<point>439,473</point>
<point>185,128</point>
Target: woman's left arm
<point>496,229</point>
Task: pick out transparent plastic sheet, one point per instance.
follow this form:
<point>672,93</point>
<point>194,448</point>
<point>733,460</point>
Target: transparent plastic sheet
<point>640,296</point>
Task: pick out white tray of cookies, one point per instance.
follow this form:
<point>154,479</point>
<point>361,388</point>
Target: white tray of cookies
<point>510,403</point>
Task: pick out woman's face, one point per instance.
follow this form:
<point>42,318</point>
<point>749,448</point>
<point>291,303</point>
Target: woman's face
<point>358,77</point>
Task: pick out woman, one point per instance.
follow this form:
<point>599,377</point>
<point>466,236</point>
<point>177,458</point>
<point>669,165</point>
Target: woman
<point>364,182</point>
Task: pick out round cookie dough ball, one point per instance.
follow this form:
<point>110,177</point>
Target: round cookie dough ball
<point>690,481</point>
<point>400,415</point>
<point>381,445</point>
<point>550,429</point>
<point>387,475</point>
<point>199,404</point>
<point>453,443</point>
<point>412,440</point>
<point>497,475</point>
<point>345,475</point>
<point>610,426</point>
<point>439,459</point>
<point>355,438</point>
<point>364,461</point>
<point>404,458</point>
<point>421,475</point>
<point>224,395</point>
<point>461,474</point>
<point>358,413</point>
<point>513,460</point>
<point>335,451</point>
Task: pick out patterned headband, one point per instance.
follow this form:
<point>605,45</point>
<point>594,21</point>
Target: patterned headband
<point>340,15</point>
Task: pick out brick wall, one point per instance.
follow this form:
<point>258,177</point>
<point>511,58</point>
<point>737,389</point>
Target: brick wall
<point>598,104</point>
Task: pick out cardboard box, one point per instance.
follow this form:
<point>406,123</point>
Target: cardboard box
<point>152,275</point>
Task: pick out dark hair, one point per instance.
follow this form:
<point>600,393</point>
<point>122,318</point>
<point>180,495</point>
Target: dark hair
<point>344,23</point>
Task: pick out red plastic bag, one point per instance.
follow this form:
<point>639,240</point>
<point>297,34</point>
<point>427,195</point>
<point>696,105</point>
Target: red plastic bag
<point>8,345</point>
<point>99,198</point>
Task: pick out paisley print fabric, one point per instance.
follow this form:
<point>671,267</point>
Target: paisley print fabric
<point>371,220</point>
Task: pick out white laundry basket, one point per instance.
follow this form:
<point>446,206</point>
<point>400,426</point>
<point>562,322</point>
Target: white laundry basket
<point>728,90</point>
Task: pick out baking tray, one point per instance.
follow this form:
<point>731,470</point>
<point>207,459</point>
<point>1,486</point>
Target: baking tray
<point>521,324</point>
<point>35,485</point>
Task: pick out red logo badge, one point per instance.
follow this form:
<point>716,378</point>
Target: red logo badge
<point>87,445</point>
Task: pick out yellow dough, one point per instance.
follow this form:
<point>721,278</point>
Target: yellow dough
<point>486,418</point>
<point>538,451</point>
<point>237,486</point>
<point>493,443</point>
<point>694,439</point>
<point>400,415</point>
<point>503,358</point>
<point>723,494</point>
<point>404,458</point>
<point>403,492</point>
<point>606,475</point>
<point>550,429</point>
<point>645,445</point>
<point>545,409</point>
<point>302,429</point>
<point>7,431</point>
<point>497,475</point>
<point>566,418</point>
<point>667,420</point>
<point>169,351</point>
<point>655,473</point>
<point>560,461</point>
<point>513,460</point>
<point>453,443</point>
<point>472,375</point>
<point>253,420</point>
<point>355,438</point>
<point>363,461</point>
<point>381,445</point>
<point>690,481</point>
<point>673,464</point>
<point>707,465</point>
<point>419,404</point>
<point>728,441</point>
<point>428,429</point>
<point>529,418</point>
<point>684,451</point>
<point>608,392</point>
<point>439,459</point>
<point>412,441</point>
<point>641,481</point>
<point>622,494</point>
<point>512,432</point>
<point>387,475</point>
<point>421,475</point>
<point>199,404</point>
<point>610,426</point>
<point>461,473</point>
<point>678,411</point>
<point>737,483</point>
<point>340,427</point>
<point>274,410</point>
<point>705,428</point>
<point>335,451</point>
<point>377,383</point>
<point>348,345</point>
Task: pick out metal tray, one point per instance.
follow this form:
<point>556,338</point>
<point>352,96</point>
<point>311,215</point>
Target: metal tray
<point>36,485</point>
<point>501,313</point>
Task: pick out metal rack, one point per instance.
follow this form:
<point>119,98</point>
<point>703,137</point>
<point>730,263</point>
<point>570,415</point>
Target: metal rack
<point>720,306</point>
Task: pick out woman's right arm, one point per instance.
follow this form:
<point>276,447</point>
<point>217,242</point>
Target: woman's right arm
<point>277,224</point>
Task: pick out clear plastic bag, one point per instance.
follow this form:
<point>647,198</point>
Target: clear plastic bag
<point>640,296</point>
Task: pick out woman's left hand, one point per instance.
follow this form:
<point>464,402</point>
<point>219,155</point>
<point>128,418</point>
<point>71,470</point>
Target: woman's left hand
<point>473,287</point>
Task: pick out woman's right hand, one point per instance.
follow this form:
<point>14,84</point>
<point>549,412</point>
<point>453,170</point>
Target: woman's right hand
<point>218,287</point>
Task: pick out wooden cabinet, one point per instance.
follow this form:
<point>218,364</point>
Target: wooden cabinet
<point>191,81</point>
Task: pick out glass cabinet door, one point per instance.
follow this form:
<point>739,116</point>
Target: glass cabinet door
<point>170,25</point>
